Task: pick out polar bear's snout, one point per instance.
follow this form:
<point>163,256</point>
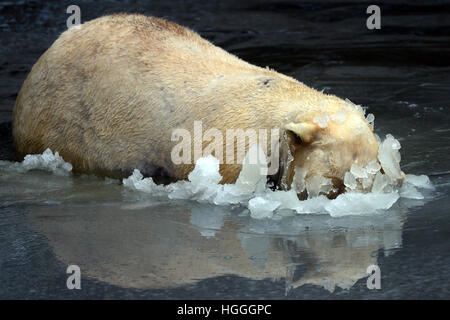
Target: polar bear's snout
<point>322,156</point>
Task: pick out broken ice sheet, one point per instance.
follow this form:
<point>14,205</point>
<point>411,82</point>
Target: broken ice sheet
<point>47,161</point>
<point>350,181</point>
<point>358,171</point>
<point>409,191</point>
<point>318,184</point>
<point>261,208</point>
<point>367,182</point>
<point>389,157</point>
<point>379,183</point>
<point>298,182</point>
<point>264,203</point>
<point>360,204</point>
<point>373,167</point>
<point>254,170</point>
<point>411,185</point>
<point>421,181</point>
<point>250,190</point>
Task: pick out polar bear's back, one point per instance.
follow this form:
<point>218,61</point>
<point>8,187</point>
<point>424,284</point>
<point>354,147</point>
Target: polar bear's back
<point>96,91</point>
<point>107,94</point>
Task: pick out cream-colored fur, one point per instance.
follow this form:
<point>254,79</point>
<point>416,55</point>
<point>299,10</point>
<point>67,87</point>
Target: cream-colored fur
<point>108,95</point>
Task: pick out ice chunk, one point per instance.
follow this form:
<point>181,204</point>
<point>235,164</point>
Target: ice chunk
<point>358,171</point>
<point>287,199</point>
<point>379,183</point>
<point>298,182</point>
<point>261,208</point>
<point>339,116</point>
<point>322,120</point>
<point>370,118</point>
<point>395,143</point>
<point>46,161</point>
<point>250,190</point>
<point>206,171</point>
<point>203,180</point>
<point>409,191</point>
<point>230,194</point>
<point>389,157</point>
<point>253,175</point>
<point>373,167</point>
<point>410,185</point>
<point>137,182</point>
<point>421,181</point>
<point>350,181</point>
<point>318,184</point>
<point>202,185</point>
<point>360,203</point>
<point>312,205</point>
<point>367,182</point>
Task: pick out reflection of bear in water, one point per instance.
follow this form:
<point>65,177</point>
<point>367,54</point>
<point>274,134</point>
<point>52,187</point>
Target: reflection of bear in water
<point>108,95</point>
<point>163,247</point>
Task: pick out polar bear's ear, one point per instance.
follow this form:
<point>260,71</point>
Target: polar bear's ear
<point>306,131</point>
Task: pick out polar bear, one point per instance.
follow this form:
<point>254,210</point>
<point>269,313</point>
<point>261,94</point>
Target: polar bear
<point>108,95</point>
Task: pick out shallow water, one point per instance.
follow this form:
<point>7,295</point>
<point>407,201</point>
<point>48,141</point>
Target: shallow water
<point>130,246</point>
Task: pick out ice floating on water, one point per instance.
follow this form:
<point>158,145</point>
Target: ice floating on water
<point>358,172</point>
<point>254,170</point>
<point>250,189</point>
<point>421,181</point>
<point>46,161</point>
<point>351,203</point>
<point>379,183</point>
<point>389,157</point>
<point>367,182</point>
<point>298,182</point>
<point>318,184</point>
<point>410,185</point>
<point>350,181</point>
<point>137,182</point>
<point>262,208</point>
<point>203,183</point>
<point>373,167</point>
<point>409,191</point>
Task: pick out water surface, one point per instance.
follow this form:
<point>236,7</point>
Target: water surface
<point>130,246</point>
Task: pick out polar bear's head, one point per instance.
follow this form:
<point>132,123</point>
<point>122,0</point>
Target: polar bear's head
<point>325,147</point>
